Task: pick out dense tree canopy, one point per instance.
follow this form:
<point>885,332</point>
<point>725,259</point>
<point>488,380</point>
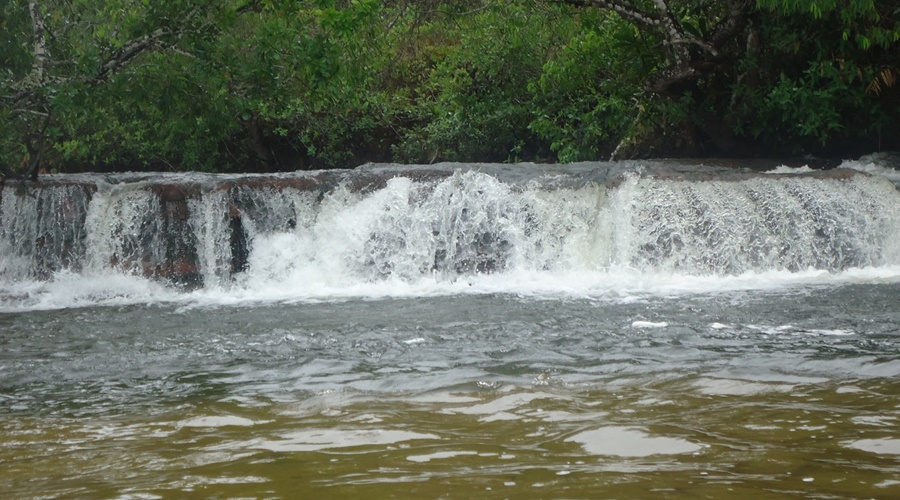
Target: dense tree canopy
<point>280,85</point>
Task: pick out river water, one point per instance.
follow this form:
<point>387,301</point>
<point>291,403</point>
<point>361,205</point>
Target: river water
<point>669,363</point>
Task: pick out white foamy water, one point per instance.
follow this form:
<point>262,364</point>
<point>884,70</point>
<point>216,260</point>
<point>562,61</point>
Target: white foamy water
<point>878,164</point>
<point>469,232</point>
<point>784,169</point>
<point>67,290</point>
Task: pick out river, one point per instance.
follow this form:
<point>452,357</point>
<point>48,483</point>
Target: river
<point>475,335</point>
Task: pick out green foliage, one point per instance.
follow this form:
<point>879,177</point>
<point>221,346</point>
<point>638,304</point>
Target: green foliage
<point>285,84</point>
<point>15,59</point>
<point>822,102</point>
<point>865,24</point>
<point>588,96</point>
<point>305,85</point>
<point>819,68</point>
<point>475,102</point>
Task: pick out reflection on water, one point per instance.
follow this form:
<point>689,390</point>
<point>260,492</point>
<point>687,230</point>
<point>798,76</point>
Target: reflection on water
<point>738,394</point>
<point>627,442</point>
<point>630,439</point>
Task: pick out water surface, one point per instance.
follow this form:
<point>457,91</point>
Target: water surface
<point>780,393</point>
<point>477,332</point>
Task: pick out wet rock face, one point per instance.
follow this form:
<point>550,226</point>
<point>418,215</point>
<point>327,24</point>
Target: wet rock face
<point>177,262</point>
<point>42,226</point>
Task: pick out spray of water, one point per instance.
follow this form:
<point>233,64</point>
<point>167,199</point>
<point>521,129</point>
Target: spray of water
<point>469,231</point>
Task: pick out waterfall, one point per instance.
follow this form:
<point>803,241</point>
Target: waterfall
<point>757,225</point>
<point>42,231</point>
<point>391,224</point>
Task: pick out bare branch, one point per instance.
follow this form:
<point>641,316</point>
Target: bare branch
<point>693,41</point>
<point>667,21</point>
<point>19,111</point>
<point>121,57</point>
<point>668,77</point>
<point>682,62</point>
<point>182,52</point>
<point>623,8</point>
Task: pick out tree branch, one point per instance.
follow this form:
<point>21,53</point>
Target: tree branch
<point>682,62</point>
<point>250,6</point>
<point>31,95</point>
<point>40,52</point>
<point>121,57</point>
<point>668,77</point>
<point>736,20</point>
<point>623,8</point>
<point>693,41</point>
<point>134,48</point>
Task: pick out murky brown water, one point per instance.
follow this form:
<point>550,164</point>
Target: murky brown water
<point>693,437</point>
<point>780,394</point>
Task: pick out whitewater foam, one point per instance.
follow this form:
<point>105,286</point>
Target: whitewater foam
<point>461,233</point>
<point>69,290</point>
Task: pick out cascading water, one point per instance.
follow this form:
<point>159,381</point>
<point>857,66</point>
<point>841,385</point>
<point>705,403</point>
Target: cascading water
<point>499,331</point>
<point>377,227</point>
<point>756,225</point>
<point>468,224</point>
<point>42,231</point>
<point>124,230</point>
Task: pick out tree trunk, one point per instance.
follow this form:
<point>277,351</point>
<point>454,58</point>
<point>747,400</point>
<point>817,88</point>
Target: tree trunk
<point>688,57</point>
<point>40,52</point>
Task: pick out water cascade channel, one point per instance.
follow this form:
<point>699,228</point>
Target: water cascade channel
<point>320,232</point>
<point>594,330</point>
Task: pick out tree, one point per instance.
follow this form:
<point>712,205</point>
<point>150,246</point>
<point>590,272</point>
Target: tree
<point>76,47</point>
<point>473,88</point>
<point>269,85</point>
<point>196,84</point>
<point>782,76</point>
<point>695,36</point>
<point>824,76</point>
